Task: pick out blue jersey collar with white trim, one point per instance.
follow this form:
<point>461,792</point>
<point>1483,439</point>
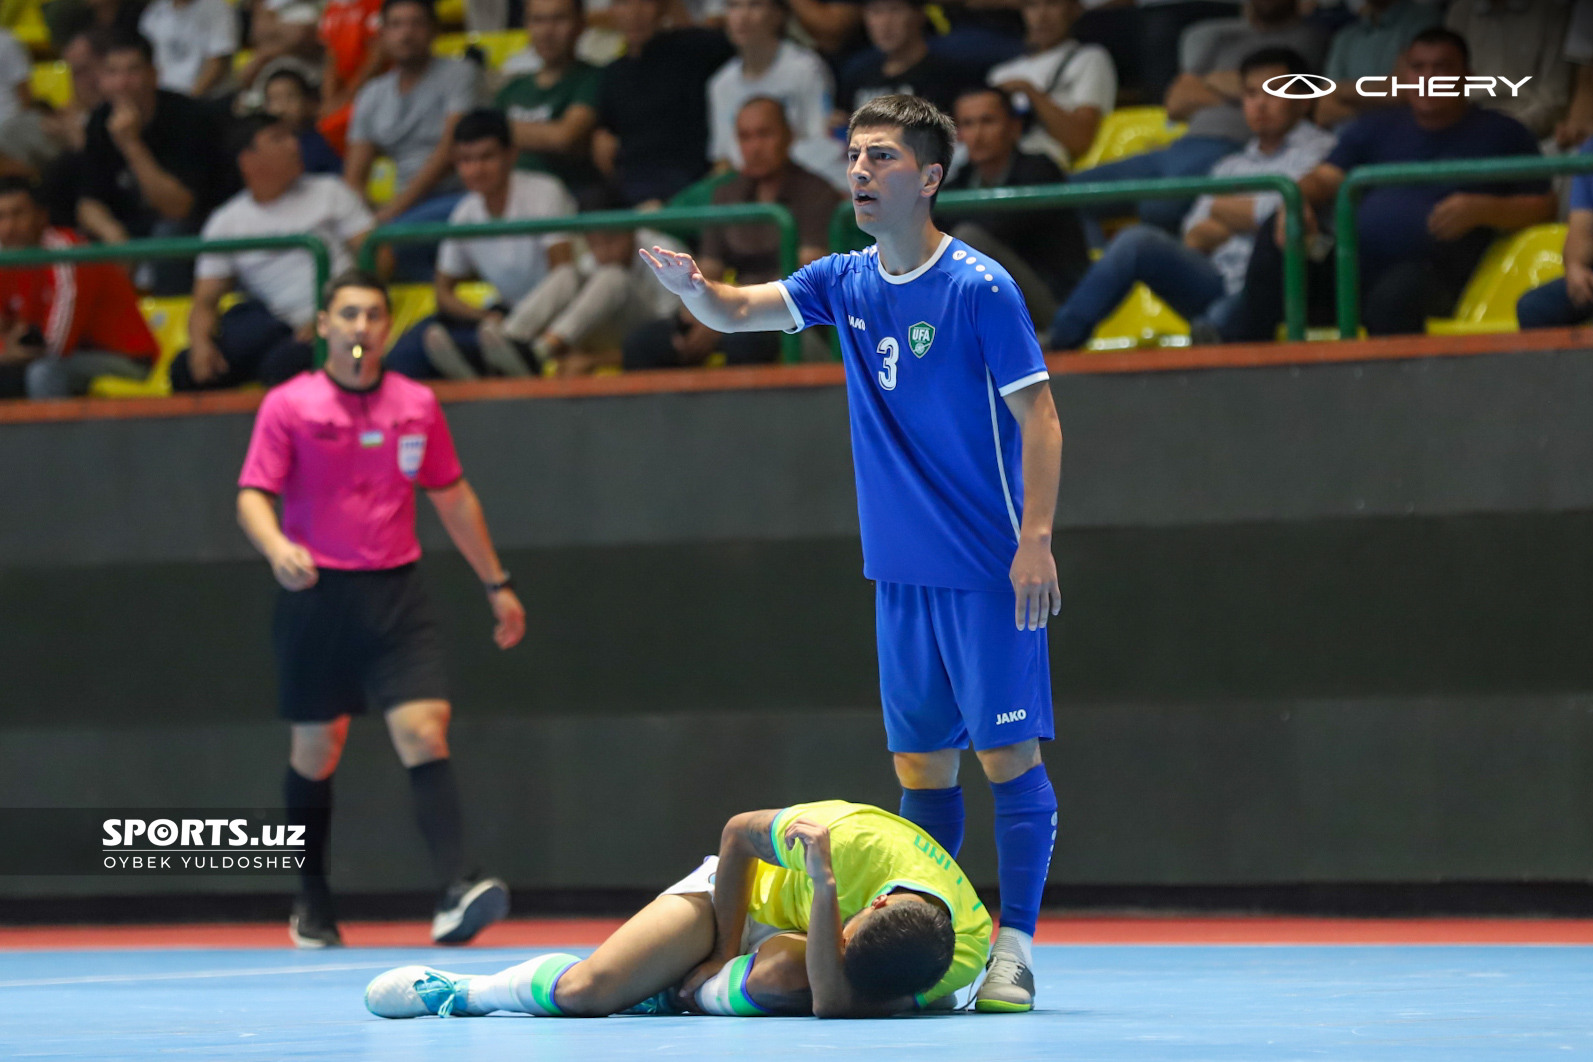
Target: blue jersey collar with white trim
<point>908,278</point>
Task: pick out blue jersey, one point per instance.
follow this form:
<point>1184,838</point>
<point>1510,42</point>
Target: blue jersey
<point>929,355</point>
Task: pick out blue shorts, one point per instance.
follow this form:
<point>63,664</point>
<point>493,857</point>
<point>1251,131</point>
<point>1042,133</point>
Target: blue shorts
<point>953,666</point>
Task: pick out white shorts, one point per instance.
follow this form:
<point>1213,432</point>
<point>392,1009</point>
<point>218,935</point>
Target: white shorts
<point>701,880</point>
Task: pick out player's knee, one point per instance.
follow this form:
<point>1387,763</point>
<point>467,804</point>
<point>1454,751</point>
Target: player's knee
<point>586,993</point>
<point>316,755</point>
<point>927,770</point>
<point>1007,762</point>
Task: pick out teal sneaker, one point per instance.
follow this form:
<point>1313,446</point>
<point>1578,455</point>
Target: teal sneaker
<point>413,991</point>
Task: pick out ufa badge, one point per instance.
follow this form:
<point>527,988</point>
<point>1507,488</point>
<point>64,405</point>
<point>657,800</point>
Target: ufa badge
<point>411,452</point>
<point>919,337</point>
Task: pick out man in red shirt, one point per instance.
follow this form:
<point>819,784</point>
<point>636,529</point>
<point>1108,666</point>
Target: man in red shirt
<point>344,450</point>
<point>65,324</point>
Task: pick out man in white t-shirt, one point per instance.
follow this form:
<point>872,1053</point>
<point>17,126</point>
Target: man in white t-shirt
<point>449,342</point>
<point>1069,86</point>
<point>194,42</point>
<point>266,338</point>
<point>768,65</point>
<point>16,71</point>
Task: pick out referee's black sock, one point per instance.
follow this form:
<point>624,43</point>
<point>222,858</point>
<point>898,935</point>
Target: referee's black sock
<point>441,821</point>
<point>309,804</point>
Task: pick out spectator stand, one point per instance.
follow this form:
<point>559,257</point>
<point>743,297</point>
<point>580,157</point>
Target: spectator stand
<point>158,383</point>
<point>1081,193</point>
<point>691,218</point>
<point>1514,265</point>
<point>1464,171</point>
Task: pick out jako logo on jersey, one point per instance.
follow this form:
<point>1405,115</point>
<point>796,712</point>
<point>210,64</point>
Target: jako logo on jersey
<point>919,337</point>
<point>1011,717</point>
<point>1312,86</point>
<point>855,322</point>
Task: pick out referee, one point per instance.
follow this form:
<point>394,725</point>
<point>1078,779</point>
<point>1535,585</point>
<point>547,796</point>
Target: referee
<point>344,450</point>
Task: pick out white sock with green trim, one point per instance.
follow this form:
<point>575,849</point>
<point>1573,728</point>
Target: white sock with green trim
<point>525,989</point>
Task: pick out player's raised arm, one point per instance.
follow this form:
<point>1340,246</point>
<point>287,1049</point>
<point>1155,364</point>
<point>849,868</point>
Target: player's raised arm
<point>722,307</point>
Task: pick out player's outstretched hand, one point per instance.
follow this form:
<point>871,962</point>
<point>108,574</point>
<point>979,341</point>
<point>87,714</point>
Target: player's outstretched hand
<point>1034,584</point>
<point>510,614</point>
<point>293,567</point>
<point>677,272</point>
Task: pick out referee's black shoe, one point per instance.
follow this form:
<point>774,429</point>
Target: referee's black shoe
<point>312,923</point>
<point>467,907</point>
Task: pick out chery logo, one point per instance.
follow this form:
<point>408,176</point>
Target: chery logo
<point>1314,86</point>
<point>1299,86</point>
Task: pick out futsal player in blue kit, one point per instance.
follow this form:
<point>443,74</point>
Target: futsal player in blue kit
<point>957,451</point>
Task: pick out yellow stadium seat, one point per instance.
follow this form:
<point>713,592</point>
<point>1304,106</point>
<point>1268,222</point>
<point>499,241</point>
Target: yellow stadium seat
<point>382,184</point>
<point>450,12</point>
<point>1140,320</point>
<point>412,303</point>
<point>1130,131</point>
<point>52,83</point>
<point>497,45</point>
<point>168,319</point>
<point>1514,264</point>
<point>241,58</point>
<point>29,28</point>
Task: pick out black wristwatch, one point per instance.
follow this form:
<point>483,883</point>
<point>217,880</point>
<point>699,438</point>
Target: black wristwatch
<point>506,583</point>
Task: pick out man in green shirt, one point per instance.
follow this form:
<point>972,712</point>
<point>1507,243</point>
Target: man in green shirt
<point>553,111</point>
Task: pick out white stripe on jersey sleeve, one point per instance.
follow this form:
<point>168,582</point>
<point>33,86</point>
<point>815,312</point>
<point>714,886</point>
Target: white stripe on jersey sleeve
<point>1018,385</point>
<point>790,304</point>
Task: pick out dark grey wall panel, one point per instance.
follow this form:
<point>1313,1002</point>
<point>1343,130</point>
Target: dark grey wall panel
<point>1436,436</point>
<point>1186,794</point>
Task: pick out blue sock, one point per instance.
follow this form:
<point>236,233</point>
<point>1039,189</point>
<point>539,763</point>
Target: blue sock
<point>939,813</point>
<point>1025,835</point>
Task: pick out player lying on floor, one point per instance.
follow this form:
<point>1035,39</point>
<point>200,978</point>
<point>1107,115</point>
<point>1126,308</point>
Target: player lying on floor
<point>831,908</point>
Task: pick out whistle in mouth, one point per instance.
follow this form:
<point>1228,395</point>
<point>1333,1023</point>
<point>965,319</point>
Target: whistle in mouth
<point>359,352</point>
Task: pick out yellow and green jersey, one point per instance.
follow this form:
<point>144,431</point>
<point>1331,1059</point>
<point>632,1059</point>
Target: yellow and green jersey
<point>873,852</point>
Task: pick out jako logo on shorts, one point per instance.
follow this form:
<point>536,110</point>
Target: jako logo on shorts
<point>1011,717</point>
<point>1313,86</point>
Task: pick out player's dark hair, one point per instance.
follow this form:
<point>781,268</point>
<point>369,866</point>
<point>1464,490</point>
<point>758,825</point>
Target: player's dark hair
<point>483,123</point>
<point>1443,35</point>
<point>1288,58</point>
<point>1003,98</point>
<point>287,73</point>
<point>123,40</point>
<point>16,185</point>
<point>363,279</point>
<point>427,6</point>
<point>241,133</point>
<point>902,949</point>
<point>926,129</point>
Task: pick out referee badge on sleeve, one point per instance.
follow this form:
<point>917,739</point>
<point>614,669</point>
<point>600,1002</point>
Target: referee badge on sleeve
<point>411,452</point>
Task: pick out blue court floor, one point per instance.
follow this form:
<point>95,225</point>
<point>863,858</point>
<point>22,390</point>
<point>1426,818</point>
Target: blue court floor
<point>1181,1003</point>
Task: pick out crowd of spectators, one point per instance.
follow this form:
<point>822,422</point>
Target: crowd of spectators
<point>265,117</point>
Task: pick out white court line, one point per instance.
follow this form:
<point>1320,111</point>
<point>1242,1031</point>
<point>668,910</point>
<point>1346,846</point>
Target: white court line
<point>262,971</point>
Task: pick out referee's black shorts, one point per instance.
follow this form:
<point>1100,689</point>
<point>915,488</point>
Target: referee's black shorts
<point>355,641</point>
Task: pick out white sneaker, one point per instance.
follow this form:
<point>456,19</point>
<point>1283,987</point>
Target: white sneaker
<point>1008,987</point>
<point>413,991</point>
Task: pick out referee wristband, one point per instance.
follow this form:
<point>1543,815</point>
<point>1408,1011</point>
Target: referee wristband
<point>503,584</point>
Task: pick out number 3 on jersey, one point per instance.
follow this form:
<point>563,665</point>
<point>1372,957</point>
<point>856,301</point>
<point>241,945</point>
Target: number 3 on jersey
<point>891,350</point>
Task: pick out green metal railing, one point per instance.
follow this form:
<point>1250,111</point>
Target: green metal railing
<point>180,247</point>
<point>1464,171</point>
<point>1081,193</point>
<point>669,217</point>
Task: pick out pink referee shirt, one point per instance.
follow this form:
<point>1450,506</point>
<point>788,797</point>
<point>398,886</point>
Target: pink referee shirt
<point>346,465</point>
